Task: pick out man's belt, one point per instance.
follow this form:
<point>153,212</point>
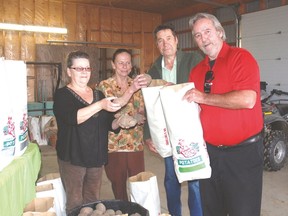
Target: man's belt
<point>250,140</point>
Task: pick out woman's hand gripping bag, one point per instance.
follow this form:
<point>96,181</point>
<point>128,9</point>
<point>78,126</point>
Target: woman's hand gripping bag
<point>189,150</point>
<point>156,120</point>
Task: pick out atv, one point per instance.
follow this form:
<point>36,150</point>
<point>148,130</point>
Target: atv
<point>275,129</point>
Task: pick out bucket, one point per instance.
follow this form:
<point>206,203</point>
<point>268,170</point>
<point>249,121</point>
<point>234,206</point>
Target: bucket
<point>125,206</point>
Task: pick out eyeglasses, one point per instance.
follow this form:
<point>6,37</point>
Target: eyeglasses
<point>81,69</point>
<point>208,81</point>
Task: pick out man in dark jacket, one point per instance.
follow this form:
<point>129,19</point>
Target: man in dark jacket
<point>174,67</point>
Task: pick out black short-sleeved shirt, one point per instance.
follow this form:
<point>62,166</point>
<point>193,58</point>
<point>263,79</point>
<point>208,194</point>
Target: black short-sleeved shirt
<point>82,144</point>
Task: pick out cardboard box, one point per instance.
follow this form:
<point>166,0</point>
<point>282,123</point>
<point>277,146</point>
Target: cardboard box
<point>47,191</point>
<point>45,187</point>
<point>50,176</point>
<point>51,185</point>
<point>40,207</point>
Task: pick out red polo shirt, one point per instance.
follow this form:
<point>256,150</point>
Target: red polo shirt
<point>234,69</point>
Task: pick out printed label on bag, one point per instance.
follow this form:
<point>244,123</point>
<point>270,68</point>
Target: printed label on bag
<point>189,159</point>
<point>166,137</point>
<point>187,150</point>
<point>191,168</point>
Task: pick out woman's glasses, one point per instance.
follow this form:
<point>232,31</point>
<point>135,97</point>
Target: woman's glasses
<point>81,69</point>
<point>209,76</point>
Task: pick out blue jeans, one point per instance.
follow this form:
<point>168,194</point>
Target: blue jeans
<point>173,192</point>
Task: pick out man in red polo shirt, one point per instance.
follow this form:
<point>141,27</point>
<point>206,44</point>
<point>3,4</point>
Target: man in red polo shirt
<point>227,87</point>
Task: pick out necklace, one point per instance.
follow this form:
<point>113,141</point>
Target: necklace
<point>122,88</point>
<point>119,88</point>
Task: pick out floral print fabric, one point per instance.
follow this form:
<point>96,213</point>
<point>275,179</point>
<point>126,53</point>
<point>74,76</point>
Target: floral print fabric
<point>128,140</point>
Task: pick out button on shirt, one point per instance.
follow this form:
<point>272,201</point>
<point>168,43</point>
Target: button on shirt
<point>169,75</point>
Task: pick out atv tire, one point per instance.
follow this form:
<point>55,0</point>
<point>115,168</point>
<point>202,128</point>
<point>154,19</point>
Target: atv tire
<point>275,150</point>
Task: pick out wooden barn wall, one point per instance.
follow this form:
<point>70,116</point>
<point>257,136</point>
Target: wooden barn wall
<point>46,79</point>
<point>87,25</point>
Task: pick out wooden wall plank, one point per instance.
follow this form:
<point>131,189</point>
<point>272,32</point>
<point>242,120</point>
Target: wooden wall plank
<point>81,23</point>
<point>11,38</point>
<point>55,13</point>
<point>12,45</point>
<point>27,46</point>
<point>147,24</point>
<point>128,27</point>
<point>105,25</point>
<point>1,32</point>
<point>137,29</point>
<point>148,46</point>
<point>27,12</point>
<point>70,18</point>
<point>156,21</point>
<point>94,23</point>
<point>41,12</point>
<point>116,26</point>
<point>11,11</point>
<point>27,38</point>
<point>41,17</point>
<point>55,17</point>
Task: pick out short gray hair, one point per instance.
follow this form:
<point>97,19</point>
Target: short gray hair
<point>211,17</point>
<point>76,55</point>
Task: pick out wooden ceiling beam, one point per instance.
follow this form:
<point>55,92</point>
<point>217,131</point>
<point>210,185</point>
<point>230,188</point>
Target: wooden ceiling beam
<point>187,11</point>
<point>203,6</point>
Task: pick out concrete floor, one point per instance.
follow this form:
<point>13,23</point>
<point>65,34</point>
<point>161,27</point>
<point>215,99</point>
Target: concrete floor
<point>275,189</point>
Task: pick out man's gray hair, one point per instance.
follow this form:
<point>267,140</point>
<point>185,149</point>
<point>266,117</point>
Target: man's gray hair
<point>211,17</point>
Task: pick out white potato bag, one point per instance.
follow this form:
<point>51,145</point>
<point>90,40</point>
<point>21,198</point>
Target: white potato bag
<point>189,150</point>
<point>156,120</point>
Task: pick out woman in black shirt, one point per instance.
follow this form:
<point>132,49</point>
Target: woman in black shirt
<point>84,117</point>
